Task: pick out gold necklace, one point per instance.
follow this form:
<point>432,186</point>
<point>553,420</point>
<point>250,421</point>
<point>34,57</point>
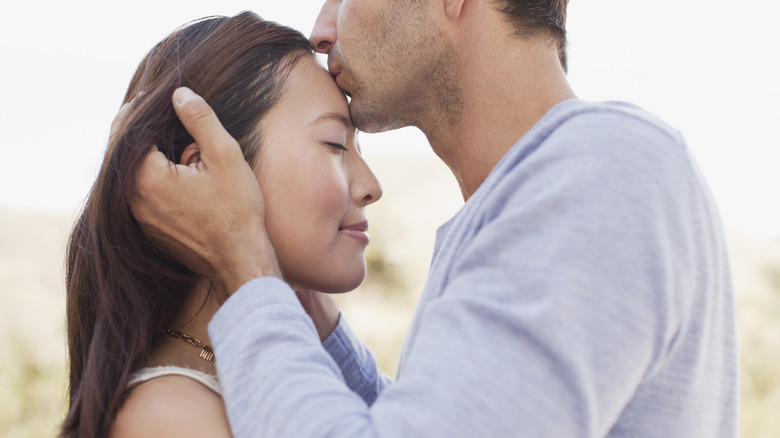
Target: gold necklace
<point>206,352</point>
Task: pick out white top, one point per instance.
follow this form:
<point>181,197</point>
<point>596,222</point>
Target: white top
<point>147,374</point>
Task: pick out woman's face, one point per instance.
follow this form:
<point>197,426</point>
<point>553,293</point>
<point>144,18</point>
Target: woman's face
<point>315,183</point>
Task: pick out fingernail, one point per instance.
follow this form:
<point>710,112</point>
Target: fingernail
<point>183,95</point>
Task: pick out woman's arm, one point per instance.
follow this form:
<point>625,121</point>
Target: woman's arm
<point>357,364</point>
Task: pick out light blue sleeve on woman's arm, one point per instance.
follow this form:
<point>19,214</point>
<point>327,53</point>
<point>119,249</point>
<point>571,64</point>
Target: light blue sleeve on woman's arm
<point>356,362</point>
<point>276,378</point>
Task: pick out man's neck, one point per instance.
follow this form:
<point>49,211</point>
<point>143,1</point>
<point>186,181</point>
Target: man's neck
<point>508,84</point>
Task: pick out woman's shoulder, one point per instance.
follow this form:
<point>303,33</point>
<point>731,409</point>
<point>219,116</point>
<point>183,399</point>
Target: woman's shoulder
<point>150,373</point>
<point>171,404</point>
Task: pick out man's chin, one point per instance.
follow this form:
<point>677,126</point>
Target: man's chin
<point>370,121</point>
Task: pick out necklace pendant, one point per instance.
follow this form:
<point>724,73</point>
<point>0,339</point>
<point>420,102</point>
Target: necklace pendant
<point>208,355</point>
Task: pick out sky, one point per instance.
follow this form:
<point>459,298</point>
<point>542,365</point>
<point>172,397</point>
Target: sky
<point>709,68</point>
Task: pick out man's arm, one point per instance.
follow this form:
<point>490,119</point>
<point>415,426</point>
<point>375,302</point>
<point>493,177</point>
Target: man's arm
<point>496,354</point>
<point>553,314</point>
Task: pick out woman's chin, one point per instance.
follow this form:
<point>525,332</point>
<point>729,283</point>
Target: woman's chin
<point>342,285</point>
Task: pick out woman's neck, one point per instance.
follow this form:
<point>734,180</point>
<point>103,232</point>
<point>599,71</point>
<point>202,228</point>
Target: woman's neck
<point>192,320</point>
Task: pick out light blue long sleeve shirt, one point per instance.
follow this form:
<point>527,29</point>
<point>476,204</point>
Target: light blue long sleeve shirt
<point>582,291</point>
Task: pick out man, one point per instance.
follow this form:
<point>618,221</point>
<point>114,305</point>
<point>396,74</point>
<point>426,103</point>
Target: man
<point>583,289</point>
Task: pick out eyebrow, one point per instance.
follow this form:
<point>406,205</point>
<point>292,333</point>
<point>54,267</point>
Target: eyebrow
<point>341,118</point>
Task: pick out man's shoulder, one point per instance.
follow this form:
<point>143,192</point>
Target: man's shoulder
<point>608,134</point>
<point>608,121</point>
<point>591,147</point>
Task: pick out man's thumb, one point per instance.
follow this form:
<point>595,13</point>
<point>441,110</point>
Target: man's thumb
<point>217,147</point>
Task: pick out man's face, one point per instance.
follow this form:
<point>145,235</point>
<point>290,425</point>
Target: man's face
<point>382,54</point>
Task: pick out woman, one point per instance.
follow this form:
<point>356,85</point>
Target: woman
<point>140,362</point>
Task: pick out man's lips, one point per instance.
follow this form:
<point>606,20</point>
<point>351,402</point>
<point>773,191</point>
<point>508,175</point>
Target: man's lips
<point>334,69</point>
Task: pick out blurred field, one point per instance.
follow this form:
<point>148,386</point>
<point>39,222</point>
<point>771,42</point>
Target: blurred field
<point>419,195</point>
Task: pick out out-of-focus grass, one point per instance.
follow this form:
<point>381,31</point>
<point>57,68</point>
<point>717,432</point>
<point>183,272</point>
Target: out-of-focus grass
<point>33,393</point>
<point>756,269</point>
<point>32,369</point>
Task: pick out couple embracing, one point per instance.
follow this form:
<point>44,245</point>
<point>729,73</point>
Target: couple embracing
<point>581,291</point>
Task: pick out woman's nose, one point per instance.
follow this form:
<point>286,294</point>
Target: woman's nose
<point>367,187</point>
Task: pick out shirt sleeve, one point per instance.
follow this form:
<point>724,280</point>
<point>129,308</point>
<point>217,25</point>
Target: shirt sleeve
<point>356,362</point>
<point>554,310</point>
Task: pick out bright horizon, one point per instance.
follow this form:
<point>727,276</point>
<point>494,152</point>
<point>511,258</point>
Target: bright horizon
<point>708,68</point>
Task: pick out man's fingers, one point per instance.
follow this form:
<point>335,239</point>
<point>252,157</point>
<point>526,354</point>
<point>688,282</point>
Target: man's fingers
<point>121,116</point>
<point>118,120</point>
<point>155,167</point>
<point>216,145</point>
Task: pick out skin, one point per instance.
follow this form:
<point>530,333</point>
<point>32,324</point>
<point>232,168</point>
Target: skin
<point>382,45</point>
<point>172,406</point>
<point>317,186</point>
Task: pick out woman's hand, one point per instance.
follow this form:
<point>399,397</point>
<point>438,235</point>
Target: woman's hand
<point>210,213</point>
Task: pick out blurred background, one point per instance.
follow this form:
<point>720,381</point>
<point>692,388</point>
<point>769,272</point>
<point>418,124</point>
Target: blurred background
<point>709,68</point>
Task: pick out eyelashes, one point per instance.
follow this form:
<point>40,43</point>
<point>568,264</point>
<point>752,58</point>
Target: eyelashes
<point>338,146</point>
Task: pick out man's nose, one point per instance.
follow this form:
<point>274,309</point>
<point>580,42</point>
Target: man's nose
<point>323,36</point>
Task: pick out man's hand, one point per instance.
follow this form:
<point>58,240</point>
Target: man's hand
<point>210,213</point>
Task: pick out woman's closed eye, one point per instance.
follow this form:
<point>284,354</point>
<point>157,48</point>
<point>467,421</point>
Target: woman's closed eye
<point>335,145</point>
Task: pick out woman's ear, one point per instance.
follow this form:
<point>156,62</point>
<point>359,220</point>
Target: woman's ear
<point>191,155</point>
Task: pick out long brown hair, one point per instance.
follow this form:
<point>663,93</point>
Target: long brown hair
<point>122,290</point>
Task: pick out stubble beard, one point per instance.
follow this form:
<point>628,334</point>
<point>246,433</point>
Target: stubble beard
<point>426,94</point>
<point>370,114</point>
<point>404,74</point>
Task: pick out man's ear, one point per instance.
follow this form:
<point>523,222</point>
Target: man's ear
<point>453,8</point>
<point>191,155</point>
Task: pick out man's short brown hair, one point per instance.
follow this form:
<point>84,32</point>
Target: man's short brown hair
<point>530,17</point>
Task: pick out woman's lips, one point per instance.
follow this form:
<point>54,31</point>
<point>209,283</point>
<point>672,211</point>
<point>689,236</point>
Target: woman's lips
<point>357,231</point>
